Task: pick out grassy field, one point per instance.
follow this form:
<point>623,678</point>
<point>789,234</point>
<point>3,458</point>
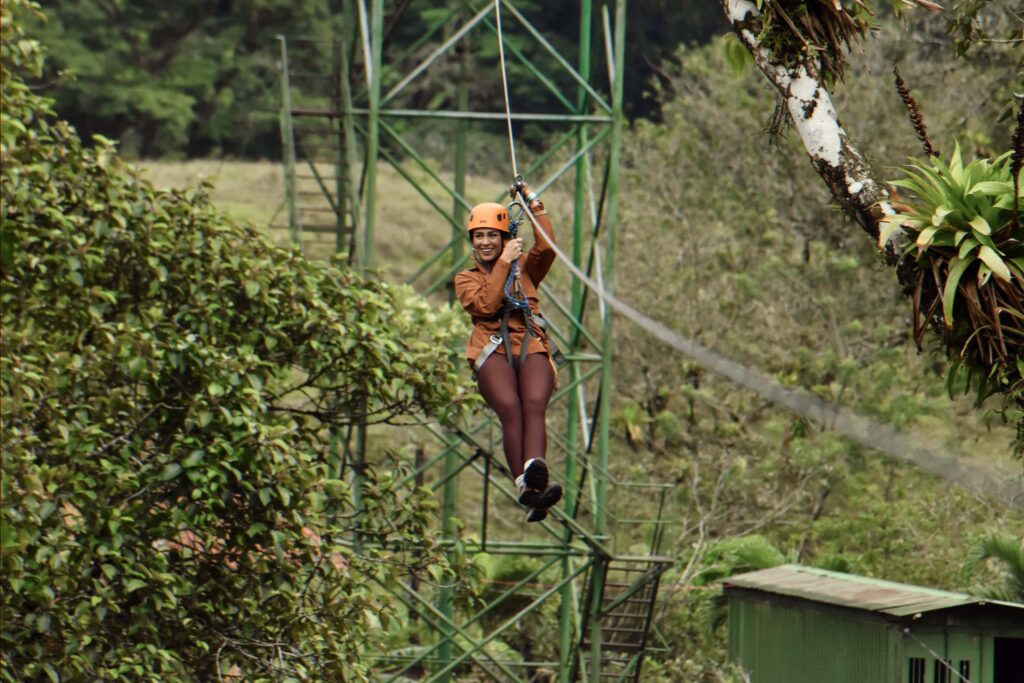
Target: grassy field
<point>408,229</point>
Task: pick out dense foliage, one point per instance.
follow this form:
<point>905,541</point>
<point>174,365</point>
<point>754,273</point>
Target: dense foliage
<point>172,506</point>
<point>737,238</point>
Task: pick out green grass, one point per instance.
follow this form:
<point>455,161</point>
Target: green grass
<point>408,229</point>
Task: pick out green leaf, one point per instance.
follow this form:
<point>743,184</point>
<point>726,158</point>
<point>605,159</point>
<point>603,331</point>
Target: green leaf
<point>194,458</point>
<point>957,266</point>
<point>137,367</point>
<point>170,471</point>
<point>956,166</point>
<point>984,275</point>
<point>940,215</point>
<point>995,262</point>
<point>252,288</point>
<point>887,227</point>
<point>924,238</point>
<point>266,495</point>
<point>981,225</point>
<point>992,187</point>
<point>967,247</point>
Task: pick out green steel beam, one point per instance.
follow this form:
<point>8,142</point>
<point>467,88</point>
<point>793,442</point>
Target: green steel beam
<point>509,623</point>
<point>532,68</point>
<point>376,18</point>
<point>608,266</point>
<point>461,203</point>
<point>339,203</point>
<point>288,143</point>
<point>391,68</point>
<point>568,608</point>
<point>433,56</point>
<point>437,621</point>
<point>478,116</point>
<point>559,58</point>
<point>477,617</point>
<point>352,199</point>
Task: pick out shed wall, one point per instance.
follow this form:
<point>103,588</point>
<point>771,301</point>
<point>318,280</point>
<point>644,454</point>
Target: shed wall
<point>786,644</point>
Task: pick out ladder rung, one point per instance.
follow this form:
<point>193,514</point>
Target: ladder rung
<point>333,229</point>
<point>302,176</point>
<point>624,615</point>
<point>617,647</point>
<point>633,601</point>
<point>315,131</point>
<point>320,113</point>
<point>615,629</point>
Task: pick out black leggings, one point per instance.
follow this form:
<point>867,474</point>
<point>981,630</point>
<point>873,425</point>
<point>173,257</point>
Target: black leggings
<point>520,398</point>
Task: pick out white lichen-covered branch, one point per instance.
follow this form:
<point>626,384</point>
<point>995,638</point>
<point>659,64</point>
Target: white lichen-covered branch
<point>809,103</point>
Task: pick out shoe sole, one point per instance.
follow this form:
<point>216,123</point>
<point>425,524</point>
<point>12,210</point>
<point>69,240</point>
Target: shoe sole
<point>536,475</point>
<point>530,498</point>
<point>550,497</point>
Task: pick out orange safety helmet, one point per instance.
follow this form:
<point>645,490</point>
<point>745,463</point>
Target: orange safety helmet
<point>488,215</point>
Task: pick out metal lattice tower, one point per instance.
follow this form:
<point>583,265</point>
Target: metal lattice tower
<point>344,112</point>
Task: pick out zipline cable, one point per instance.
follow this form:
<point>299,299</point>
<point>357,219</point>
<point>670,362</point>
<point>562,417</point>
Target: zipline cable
<point>504,84</point>
<point>865,431</point>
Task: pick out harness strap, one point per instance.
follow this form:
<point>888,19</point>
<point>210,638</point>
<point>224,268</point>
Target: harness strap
<point>531,319</point>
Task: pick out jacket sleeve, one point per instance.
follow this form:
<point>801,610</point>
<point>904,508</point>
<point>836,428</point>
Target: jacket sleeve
<point>541,255</point>
<point>482,293</point>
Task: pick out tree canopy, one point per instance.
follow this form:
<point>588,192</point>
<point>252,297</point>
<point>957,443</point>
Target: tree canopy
<point>201,77</point>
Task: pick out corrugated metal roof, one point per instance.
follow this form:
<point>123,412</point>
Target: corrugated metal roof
<point>858,592</point>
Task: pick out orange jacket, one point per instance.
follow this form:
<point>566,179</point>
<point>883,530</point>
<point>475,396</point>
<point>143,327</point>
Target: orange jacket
<point>482,293</point>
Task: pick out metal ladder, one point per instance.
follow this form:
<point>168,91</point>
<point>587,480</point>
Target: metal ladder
<point>627,598</point>
<point>318,183</point>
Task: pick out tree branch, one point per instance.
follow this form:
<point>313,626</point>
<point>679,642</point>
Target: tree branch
<point>840,164</point>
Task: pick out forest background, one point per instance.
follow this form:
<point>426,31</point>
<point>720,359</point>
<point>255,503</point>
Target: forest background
<point>715,213</point>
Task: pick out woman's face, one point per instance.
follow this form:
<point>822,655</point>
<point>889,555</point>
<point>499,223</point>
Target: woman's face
<point>487,244</point>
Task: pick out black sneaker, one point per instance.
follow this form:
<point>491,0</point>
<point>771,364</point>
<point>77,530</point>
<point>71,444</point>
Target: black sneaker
<point>529,497</point>
<point>536,514</point>
<point>552,494</point>
<point>539,512</point>
<point>535,476</point>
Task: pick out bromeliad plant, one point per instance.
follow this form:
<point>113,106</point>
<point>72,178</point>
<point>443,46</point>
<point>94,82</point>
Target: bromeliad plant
<point>969,253</point>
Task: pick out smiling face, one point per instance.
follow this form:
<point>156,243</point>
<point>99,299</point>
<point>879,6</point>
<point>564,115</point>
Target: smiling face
<point>487,244</point>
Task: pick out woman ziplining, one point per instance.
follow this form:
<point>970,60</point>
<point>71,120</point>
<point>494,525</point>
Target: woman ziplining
<point>509,348</point>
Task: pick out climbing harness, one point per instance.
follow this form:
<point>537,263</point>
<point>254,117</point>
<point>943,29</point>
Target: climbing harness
<point>516,302</point>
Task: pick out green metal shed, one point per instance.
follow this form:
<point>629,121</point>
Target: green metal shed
<point>794,624</point>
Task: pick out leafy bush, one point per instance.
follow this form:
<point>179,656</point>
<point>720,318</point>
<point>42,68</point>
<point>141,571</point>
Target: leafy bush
<point>172,508</point>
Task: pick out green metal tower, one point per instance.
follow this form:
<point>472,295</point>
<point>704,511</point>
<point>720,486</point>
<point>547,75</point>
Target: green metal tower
<point>345,111</point>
